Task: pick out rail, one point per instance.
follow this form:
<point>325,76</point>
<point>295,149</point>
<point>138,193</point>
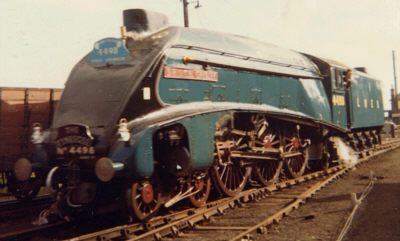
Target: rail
<point>289,194</point>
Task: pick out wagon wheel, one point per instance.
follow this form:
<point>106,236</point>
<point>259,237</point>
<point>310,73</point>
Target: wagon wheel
<point>297,164</point>
<point>267,172</point>
<point>24,190</point>
<point>202,185</point>
<point>143,199</point>
<point>229,175</point>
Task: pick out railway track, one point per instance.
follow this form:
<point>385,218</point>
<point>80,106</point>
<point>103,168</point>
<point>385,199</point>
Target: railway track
<point>12,205</point>
<point>226,215</point>
<point>274,202</point>
<point>16,219</point>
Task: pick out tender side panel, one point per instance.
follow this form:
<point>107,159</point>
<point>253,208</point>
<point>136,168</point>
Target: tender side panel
<point>366,102</point>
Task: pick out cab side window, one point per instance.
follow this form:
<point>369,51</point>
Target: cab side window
<point>338,79</point>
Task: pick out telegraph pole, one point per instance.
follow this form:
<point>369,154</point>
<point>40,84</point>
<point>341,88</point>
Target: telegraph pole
<point>185,13</point>
<point>396,103</point>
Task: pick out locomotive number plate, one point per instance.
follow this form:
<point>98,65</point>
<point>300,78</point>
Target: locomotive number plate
<point>74,140</point>
<point>76,150</point>
<point>109,50</point>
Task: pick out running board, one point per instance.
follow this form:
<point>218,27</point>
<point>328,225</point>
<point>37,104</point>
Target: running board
<point>262,156</point>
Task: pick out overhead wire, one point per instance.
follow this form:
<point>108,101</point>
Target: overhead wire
<point>357,202</point>
<point>200,19</point>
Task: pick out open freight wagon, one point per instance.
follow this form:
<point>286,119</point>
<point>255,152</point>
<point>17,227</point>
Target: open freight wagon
<point>20,109</point>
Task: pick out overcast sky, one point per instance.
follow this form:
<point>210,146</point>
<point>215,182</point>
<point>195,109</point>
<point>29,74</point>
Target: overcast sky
<point>41,40</point>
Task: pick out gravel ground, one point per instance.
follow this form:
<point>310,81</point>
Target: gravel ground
<point>323,216</point>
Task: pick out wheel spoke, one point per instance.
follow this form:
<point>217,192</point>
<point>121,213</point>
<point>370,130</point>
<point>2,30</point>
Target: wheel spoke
<point>144,200</point>
<point>295,166</point>
<point>274,143</point>
<point>231,177</point>
<point>226,175</point>
<point>235,178</point>
<point>241,174</point>
<point>202,187</point>
<point>232,180</point>
<point>223,171</point>
<point>267,172</point>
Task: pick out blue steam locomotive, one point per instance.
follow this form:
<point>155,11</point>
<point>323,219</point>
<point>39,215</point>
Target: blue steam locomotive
<point>158,115</point>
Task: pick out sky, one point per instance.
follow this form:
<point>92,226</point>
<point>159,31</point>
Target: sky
<point>41,40</point>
